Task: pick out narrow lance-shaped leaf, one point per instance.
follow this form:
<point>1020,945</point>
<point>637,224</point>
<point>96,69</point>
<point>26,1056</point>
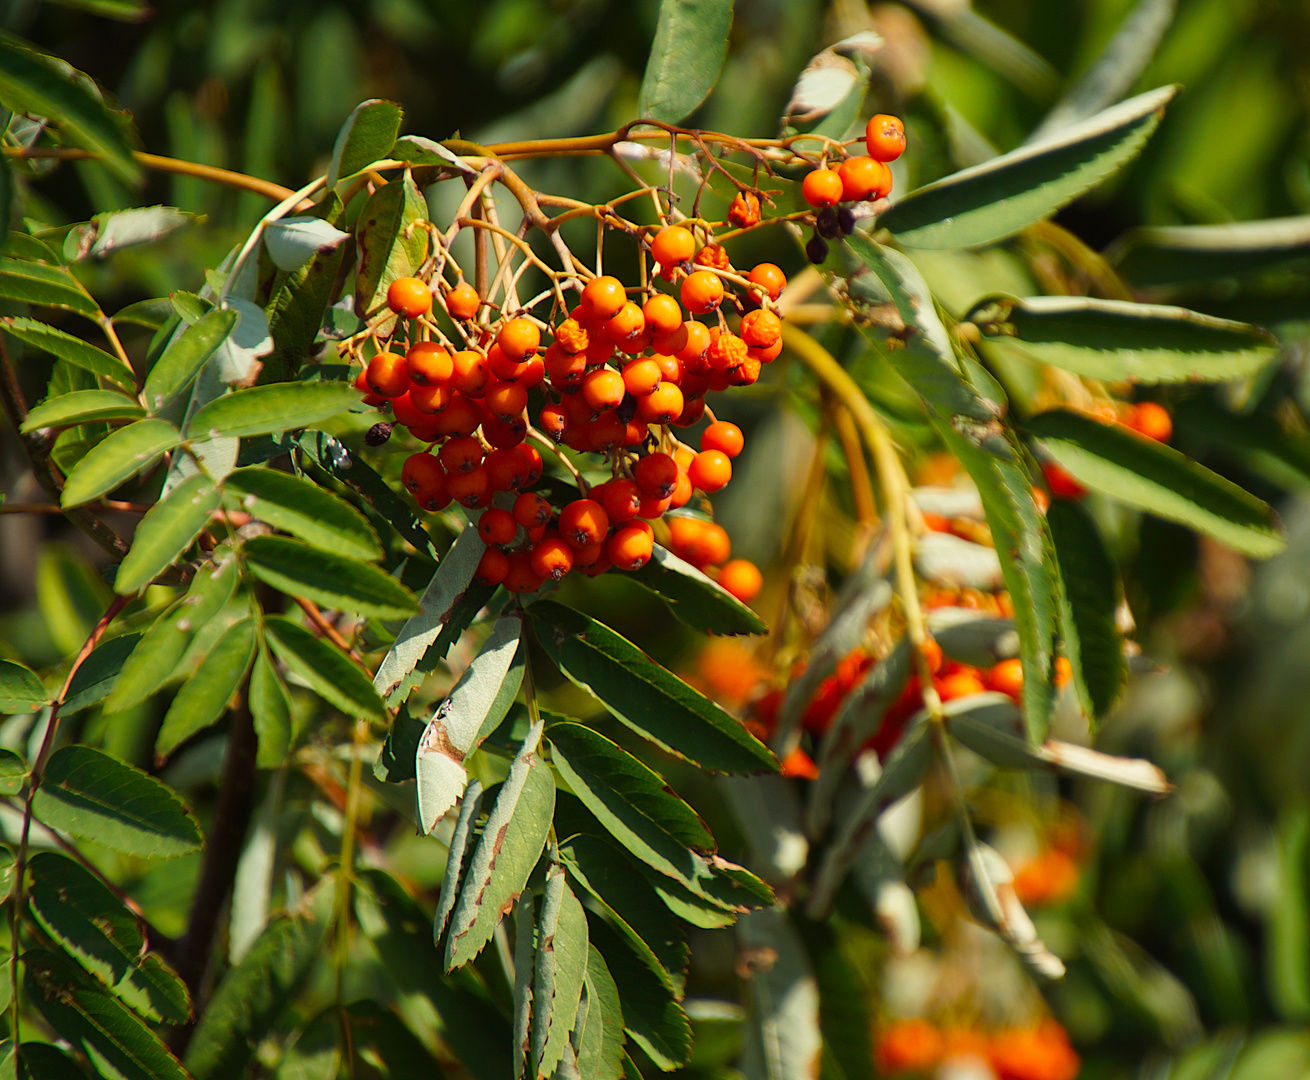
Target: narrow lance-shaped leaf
<point>95,1022</point>
<point>1179,255</point>
<point>185,356</point>
<point>450,880</point>
<point>94,927</point>
<point>331,675</point>
<point>20,689</point>
<point>262,410</point>
<point>367,136</point>
<point>81,407</point>
<point>453,576</point>
<point>989,889</point>
<point>783,1039</point>
<point>474,706</point>
<point>998,198</point>
<point>645,696</point>
<point>691,40</point>
<point>65,346</point>
<point>511,842</point>
<point>1115,340</point>
<point>293,241</point>
<point>93,796</point>
<point>107,233</point>
<point>166,531</point>
<point>99,672</point>
<point>13,771</point>
<point>1088,600</point>
<point>46,286</point>
<point>693,598</point>
<point>598,1037</point>
<point>124,453</point>
<point>1157,479</point>
<point>525,944</point>
<point>325,577</point>
<point>270,709</point>
<point>391,244</point>
<point>299,506</point>
<point>204,697</point>
<point>561,964</point>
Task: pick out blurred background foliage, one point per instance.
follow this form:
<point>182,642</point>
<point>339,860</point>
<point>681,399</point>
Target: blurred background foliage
<point>1188,938</point>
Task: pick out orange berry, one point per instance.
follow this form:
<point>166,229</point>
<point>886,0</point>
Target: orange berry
<point>602,297</point>
<point>1152,420</point>
<point>603,389</point>
<point>566,370</point>
<point>470,372</point>
<point>864,178</point>
<point>726,351</point>
<point>884,137</point>
<point>702,292</point>
<point>710,470</point>
<point>641,376</point>
<point>502,367</point>
<point>1006,678</point>
<point>662,313</point>
<point>460,417</point>
<point>386,375</point>
<point>572,336</point>
<point>1062,485</point>
<point>663,405</point>
<point>428,363</point>
<point>1042,500</point>
<point>583,522</point>
<point>673,245</point>
<point>553,421</point>
<point>822,187</point>
<point>683,490</point>
<point>410,297</point>
<point>470,489</point>
<point>429,399</point>
<point>492,567</point>
<point>760,329</point>
<point>551,557</point>
<point>421,470</point>
<point>742,578</point>
<point>621,499</point>
<point>799,764</point>
<point>631,545</point>
<point>461,455</point>
<point>721,435</point>
<point>503,434</point>
<point>627,324</point>
<point>497,526</point>
<point>714,256</point>
<point>932,655</point>
<point>907,1046</point>
<point>696,344</point>
<point>1049,879</point>
<point>656,475</point>
<point>519,339</point>
<point>506,399</point>
<point>745,210</point>
<point>765,356</point>
<point>1063,671</point>
<point>522,577</point>
<point>958,685</point>
<point>531,510</point>
<point>463,301</point>
<point>769,278</point>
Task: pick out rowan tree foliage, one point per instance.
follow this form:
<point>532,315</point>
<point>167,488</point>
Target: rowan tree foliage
<point>392,703</point>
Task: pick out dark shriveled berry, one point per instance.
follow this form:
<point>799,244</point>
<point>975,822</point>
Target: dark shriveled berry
<point>816,250</point>
<point>378,434</point>
<point>627,408</point>
<point>825,223</point>
<point>845,220</point>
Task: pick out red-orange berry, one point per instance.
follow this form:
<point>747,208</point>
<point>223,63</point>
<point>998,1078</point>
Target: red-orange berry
<point>656,475</point>
<point>710,470</point>
<point>502,434</point>
<point>621,499</point>
<point>462,301</point>
<point>410,297</point>
<point>662,313</point>
<point>683,490</point>
<point>505,399</point>
<point>745,210</point>
<point>631,545</point>
<point>641,376</point>
<point>429,399</point>
<point>714,256</point>
<point>470,372</point>
<point>492,567</point>
<point>421,470</point>
<point>760,329</point>
<point>726,351</point>
<point>673,245</point>
<point>957,685</point>
<point>769,278</point>
<point>428,363</point>
<point>722,435</point>
<point>602,297</point>
<point>518,339</point>
<point>864,178</point>
<point>470,489</point>
<point>522,577</point>
<point>822,187</point>
<point>1152,420</point>
<point>697,343</point>
<point>627,324</point>
<point>1062,485</point>
<point>603,389</point>
<point>531,510</point>
<point>663,405</point>
<point>572,336</point>
<point>583,522</point>
<point>702,292</point>
<point>461,455</point>
<point>461,417</point>
<point>551,557</point>
<point>553,421</point>
<point>497,526</point>
<point>386,375</point>
<point>404,411</point>
<point>884,137</point>
<point>742,578</point>
<point>1006,678</point>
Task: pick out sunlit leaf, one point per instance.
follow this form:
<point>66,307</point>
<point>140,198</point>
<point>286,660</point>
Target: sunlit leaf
<point>302,508</point>
<point>67,347</point>
<point>560,964</point>
<point>45,286</point>
<point>367,136</point>
<point>204,698</point>
<point>691,40</point>
<point>20,689</point>
<point>278,407</point>
<point>293,241</point>
<point>391,245</point>
<point>81,407</point>
<point>185,356</point>
<point>330,674</point>
<point>120,456</point>
<point>325,577</point>
<point>166,531</point>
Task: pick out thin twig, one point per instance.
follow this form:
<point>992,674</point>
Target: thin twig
<point>329,631</point>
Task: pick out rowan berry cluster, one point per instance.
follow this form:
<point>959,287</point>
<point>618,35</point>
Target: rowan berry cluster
<point>858,178</point>
<point>917,1046</point>
<point>615,375</point>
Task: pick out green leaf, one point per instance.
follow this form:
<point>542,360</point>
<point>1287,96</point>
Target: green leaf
<point>388,247</point>
<point>91,1020</point>
<point>31,82</point>
<point>156,656</point>
<point>205,696</point>
<point>476,704</point>
<point>185,356</point>
<point>998,198</point>
<point>693,598</point>
<point>293,241</point>
<point>42,1061</point>
<point>270,708</point>
<point>632,800</point>
<point>92,796</point>
<point>152,313</point>
<point>469,809</point>
<point>1159,480</point>
<point>1114,340</point>
<point>367,136</point>
<point>20,689</point>
<point>648,698</point>
<point>560,965</point>
<point>6,196</point>
<point>73,349</point>
<point>100,672</point>
<point>634,908</point>
<point>46,286</point>
<point>330,674</point>
<point>598,1041</point>
<point>691,40</point>
<point>80,913</point>
<point>120,456</point>
<point>1287,945</point>
<point>253,994</point>
<point>302,508</point>
<point>782,1037</point>
<point>326,578</point>
<point>166,531</point>
<point>512,840</point>
<point>1089,598</point>
<point>1180,255</point>
<point>81,407</point>
<point>107,233</point>
<point>13,771</point>
<point>262,410</point>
